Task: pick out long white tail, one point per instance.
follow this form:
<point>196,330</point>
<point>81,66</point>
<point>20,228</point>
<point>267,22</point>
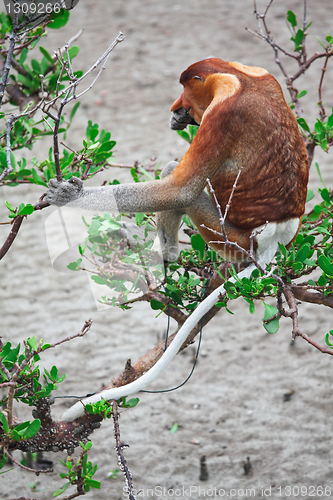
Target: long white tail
<point>77,410</point>
<point>267,241</point>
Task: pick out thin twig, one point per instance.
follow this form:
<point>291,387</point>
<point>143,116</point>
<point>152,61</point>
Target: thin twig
<point>86,327</point>
<point>119,449</point>
<point>218,206</point>
<point>322,111</point>
<point>69,94</point>
<point>301,57</point>
<point>9,126</point>
<point>118,39</point>
<point>36,471</point>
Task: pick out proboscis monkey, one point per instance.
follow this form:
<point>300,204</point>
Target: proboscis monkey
<point>245,124</point>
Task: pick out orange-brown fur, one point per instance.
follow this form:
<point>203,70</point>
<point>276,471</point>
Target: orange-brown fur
<point>253,128</point>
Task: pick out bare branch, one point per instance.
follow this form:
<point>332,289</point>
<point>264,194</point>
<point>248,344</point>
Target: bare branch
<point>12,42</point>
<point>322,111</point>
<point>293,314</point>
<point>305,295</point>
<point>106,54</point>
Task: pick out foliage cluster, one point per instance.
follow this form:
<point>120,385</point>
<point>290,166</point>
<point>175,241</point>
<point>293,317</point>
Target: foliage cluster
<point>38,87</point>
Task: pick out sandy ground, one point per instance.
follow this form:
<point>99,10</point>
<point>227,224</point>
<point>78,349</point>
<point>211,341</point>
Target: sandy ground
<point>233,407</point>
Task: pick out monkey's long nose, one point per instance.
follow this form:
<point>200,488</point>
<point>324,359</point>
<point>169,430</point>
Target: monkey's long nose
<point>177,104</point>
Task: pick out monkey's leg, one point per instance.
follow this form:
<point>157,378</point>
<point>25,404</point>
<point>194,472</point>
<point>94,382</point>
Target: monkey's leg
<point>202,213</point>
<point>168,223</point>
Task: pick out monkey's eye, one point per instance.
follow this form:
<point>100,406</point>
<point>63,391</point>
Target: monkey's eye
<point>198,78</point>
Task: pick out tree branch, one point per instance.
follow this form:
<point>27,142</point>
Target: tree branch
<point>16,227</point>
<point>12,42</point>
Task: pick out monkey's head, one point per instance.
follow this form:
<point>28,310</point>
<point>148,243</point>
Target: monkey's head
<point>201,82</point>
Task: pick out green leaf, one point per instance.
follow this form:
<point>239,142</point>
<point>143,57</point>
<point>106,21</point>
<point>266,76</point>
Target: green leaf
<point>319,174</point>
<point>87,446</point>
<point>59,20</point>
<point>131,403</point>
<point>325,265</point>
<point>302,253</point>
<point>325,195</point>
<point>73,51</point>
<point>99,280</point>
<point>321,43</point>
<point>193,129</point>
<point>283,250</point>
<point>296,266</point>
<point>8,205</point>
<point>23,55</point>
<point>92,483</point>
<point>94,146</point>
<point>327,336</point>
<point>270,326</point>
<point>252,307</point>
<point>198,244</point>
<point>54,373</point>
<point>291,18</point>
<point>32,429</point>
<point>107,146</point>
<point>46,55</point>
<point>26,210</point>
<point>310,195</point>
<point>61,490</point>
<point>302,123</point>
<point>184,135</point>
<point>174,429</point>
<point>74,110</point>
<point>330,121</point>
<point>3,462</point>
<point>38,178</point>
<point>35,66</point>
<point>302,93</point>
<point>32,343</point>
<point>298,38</point>
<point>4,422</point>
<point>73,266</point>
<point>156,304</point>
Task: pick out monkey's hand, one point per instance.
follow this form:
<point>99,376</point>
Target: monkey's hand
<point>63,192</point>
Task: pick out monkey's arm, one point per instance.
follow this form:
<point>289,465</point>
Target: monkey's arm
<point>173,192</point>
